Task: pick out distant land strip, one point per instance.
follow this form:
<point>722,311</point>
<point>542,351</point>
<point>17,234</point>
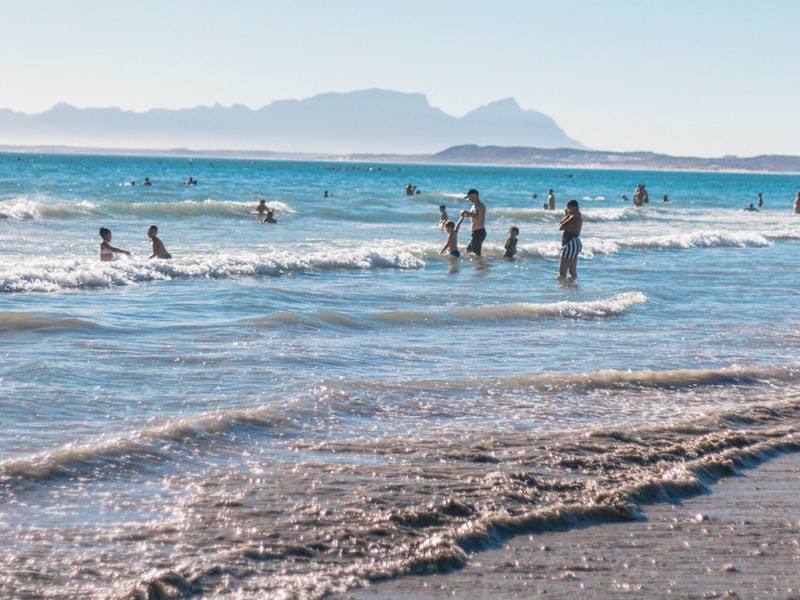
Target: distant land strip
<point>512,156</point>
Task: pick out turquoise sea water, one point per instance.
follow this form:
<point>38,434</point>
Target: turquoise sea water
<point>295,409</point>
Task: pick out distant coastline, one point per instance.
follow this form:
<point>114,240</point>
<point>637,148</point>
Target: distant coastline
<point>509,156</point>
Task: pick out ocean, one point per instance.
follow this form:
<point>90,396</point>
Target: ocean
<point>295,410</point>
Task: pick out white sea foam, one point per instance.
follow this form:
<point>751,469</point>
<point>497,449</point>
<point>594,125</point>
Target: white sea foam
<point>19,209</point>
<point>46,274</point>
<point>610,307</point>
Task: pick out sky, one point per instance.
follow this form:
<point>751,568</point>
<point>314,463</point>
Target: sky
<point>702,78</point>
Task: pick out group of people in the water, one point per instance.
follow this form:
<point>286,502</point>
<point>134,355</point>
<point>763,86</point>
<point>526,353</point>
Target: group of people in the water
<point>570,226</point>
<point>641,197</point>
<point>265,213</point>
<point>107,251</point>
<point>760,202</point>
<point>190,181</point>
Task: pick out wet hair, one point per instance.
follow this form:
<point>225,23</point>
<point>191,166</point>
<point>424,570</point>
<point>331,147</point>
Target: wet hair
<point>442,206</point>
<point>449,224</point>
<point>104,231</point>
<point>154,228</point>
<point>573,203</point>
<point>515,229</point>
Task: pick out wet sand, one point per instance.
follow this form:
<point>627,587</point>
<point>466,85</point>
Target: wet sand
<point>742,540</point>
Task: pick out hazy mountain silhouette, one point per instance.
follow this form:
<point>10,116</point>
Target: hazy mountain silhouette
<point>369,121</point>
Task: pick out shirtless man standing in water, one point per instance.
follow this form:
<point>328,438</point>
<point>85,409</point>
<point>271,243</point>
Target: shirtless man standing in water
<point>571,245</point>
<point>478,218</point>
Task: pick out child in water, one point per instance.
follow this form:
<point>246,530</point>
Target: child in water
<point>511,242</point>
<point>452,237</point>
<point>159,250</point>
<point>443,218</point>
<point>107,251</point>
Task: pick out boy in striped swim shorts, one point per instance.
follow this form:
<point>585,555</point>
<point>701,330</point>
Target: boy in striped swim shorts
<point>571,245</point>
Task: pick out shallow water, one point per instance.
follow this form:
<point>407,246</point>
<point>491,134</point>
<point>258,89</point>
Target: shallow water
<point>289,410</point>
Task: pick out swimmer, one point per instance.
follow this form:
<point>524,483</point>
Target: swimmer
<point>443,218</point>
<point>452,237</point>
<point>270,218</point>
<point>511,242</point>
<point>107,251</point>
<point>159,250</point>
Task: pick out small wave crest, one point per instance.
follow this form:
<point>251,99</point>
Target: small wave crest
<point>55,274</point>
<point>609,380</point>
<point>12,322</point>
<point>610,307</point>
<point>698,239</point>
<point>149,445</point>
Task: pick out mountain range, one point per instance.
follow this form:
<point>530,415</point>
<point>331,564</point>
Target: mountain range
<point>367,121</point>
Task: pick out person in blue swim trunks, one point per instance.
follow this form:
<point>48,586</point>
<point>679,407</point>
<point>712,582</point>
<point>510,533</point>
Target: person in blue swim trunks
<point>452,237</point>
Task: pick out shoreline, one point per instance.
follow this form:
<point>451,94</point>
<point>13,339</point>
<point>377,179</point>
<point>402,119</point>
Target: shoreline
<point>739,540</point>
<point>413,159</point>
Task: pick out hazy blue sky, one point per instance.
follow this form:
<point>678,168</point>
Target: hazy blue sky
<point>686,77</point>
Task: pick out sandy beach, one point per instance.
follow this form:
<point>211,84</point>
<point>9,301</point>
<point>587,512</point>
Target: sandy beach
<point>741,540</point>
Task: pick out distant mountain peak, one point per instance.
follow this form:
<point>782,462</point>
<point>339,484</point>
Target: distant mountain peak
<point>363,121</point>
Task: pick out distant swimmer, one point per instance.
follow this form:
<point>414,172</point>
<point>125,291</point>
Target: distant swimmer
<point>190,181</point>
<point>443,218</point>
<point>325,194</point>
<point>665,198</point>
<point>640,196</point>
<point>571,246</point>
<point>750,208</point>
<point>262,207</point>
<point>107,251</point>
<point>159,250</point>
<point>797,204</point>
<point>760,200</point>
<point>147,181</point>
<point>478,218</point>
<point>270,218</point>
<point>624,198</point>
<point>551,200</point>
<point>452,237</point>
<point>410,189</point>
<point>511,242</point>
